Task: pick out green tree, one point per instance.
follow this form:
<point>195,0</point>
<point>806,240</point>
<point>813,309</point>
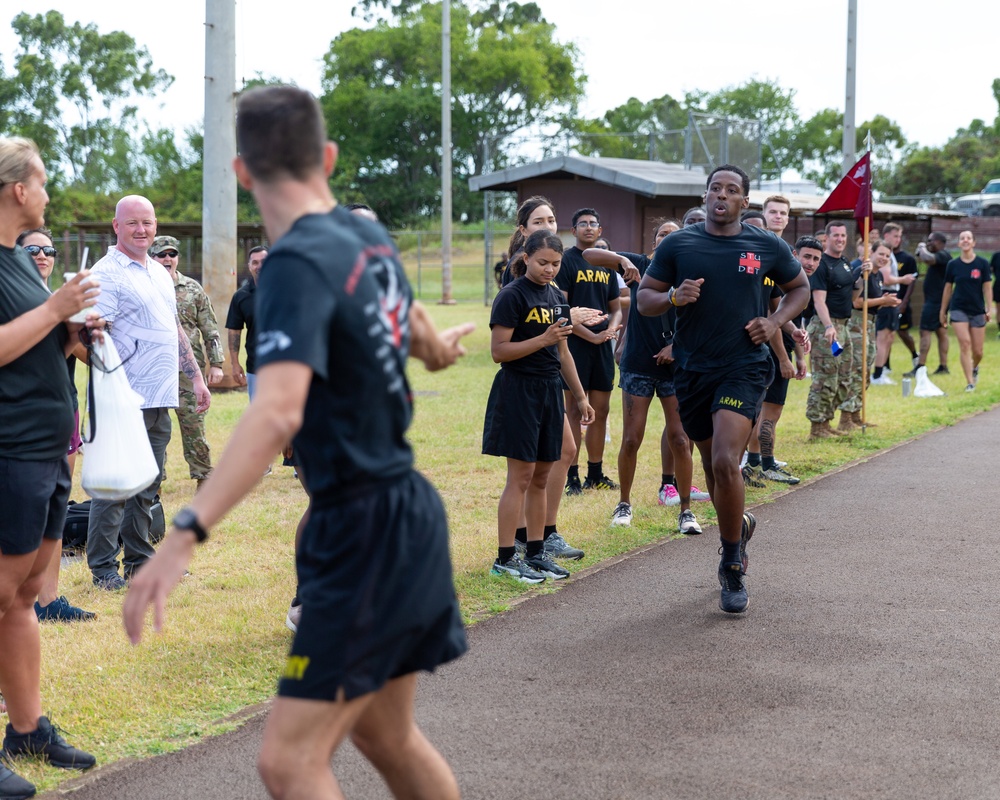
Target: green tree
<point>635,130</point>
<point>382,101</point>
<point>72,90</point>
<point>817,147</point>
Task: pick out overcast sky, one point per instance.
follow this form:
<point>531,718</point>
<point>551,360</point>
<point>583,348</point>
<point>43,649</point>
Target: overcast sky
<point>928,66</point>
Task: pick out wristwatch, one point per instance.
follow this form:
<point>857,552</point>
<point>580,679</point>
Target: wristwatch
<point>187,521</point>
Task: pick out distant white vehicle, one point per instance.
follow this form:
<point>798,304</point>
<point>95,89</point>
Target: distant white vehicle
<point>985,204</point>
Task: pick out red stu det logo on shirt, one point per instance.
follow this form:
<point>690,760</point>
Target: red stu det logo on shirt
<point>975,274</point>
<point>749,263</point>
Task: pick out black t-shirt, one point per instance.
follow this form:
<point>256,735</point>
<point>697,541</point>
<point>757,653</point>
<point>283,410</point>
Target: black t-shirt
<point>995,265</point>
<point>335,298</point>
<point>585,285</point>
<point>711,333</point>
<point>906,265</point>
<point>876,288</point>
<point>241,314</point>
<point>934,279</point>
<point>36,411</point>
<point>835,277</point>
<point>645,336</point>
<point>526,307</point>
<point>967,281</point>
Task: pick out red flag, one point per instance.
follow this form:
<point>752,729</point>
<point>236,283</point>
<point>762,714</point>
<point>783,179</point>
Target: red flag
<point>853,192</point>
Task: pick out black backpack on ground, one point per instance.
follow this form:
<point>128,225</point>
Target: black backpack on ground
<point>78,519</point>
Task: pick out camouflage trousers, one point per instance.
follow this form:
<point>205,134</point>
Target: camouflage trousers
<point>192,425</point>
<point>853,401</point>
<point>830,373</point>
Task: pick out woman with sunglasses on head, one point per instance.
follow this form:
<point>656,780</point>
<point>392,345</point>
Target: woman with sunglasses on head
<point>51,606</point>
<point>36,421</point>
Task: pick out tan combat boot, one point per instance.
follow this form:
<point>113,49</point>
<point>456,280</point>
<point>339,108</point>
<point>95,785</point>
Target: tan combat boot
<point>821,430</point>
<point>856,419</point>
<point>846,423</point>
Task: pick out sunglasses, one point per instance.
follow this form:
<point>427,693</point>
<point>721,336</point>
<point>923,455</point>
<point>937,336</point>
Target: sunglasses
<point>33,250</point>
<point>166,254</point>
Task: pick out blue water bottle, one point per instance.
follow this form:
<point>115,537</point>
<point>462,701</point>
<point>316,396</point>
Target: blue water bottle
<point>835,348</point>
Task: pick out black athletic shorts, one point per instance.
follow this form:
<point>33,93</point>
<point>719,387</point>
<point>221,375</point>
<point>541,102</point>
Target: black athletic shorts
<point>906,318</point>
<point>887,319</point>
<point>996,290</point>
<point>700,394</point>
<point>524,418</point>
<point>34,496</point>
<point>595,364</point>
<point>378,600</point>
<point>930,319</point>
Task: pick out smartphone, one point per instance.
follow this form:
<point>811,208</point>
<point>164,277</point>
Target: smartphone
<point>561,313</point>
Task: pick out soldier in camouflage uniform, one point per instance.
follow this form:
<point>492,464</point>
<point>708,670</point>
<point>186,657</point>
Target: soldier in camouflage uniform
<point>198,320</point>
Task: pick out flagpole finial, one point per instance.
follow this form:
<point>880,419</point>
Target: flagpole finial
<point>868,141</point>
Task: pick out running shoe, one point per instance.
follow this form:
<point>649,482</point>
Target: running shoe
<point>970,387</point>
<point>746,533</point>
<point>545,566</point>
<point>687,524</point>
<point>883,380</point>
<point>520,548</point>
<point>293,617</point>
<point>975,375</point>
<point>557,547</point>
<point>515,567</point>
<point>13,786</point>
<point>46,742</point>
<point>669,495</point>
<point>942,371</point>
<point>753,477</point>
<point>780,463</point>
<point>61,610</point>
<point>779,475</point>
<point>604,482</point>
<point>622,515</point>
<point>698,494</point>
<point>733,598</point>
<point>573,485</point>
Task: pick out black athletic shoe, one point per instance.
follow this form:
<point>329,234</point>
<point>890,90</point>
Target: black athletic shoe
<point>14,787</point>
<point>573,485</point>
<point>942,371</point>
<point>749,526</point>
<point>46,742</point>
<point>753,476</point>
<point>734,598</point>
<point>544,565</point>
<point>557,547</point>
<point>604,482</point>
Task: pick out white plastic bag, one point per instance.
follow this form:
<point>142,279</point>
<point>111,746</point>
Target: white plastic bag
<point>925,387</point>
<point>118,460</point>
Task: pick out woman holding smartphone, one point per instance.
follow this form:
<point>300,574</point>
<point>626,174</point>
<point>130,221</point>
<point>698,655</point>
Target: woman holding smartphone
<point>525,414</point>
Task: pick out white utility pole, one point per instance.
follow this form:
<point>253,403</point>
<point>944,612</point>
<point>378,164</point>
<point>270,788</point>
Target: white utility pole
<point>218,228</point>
<point>446,297</point>
<point>850,137</point>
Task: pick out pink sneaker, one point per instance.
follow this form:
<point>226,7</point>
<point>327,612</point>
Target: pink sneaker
<point>698,494</point>
<point>669,495</point>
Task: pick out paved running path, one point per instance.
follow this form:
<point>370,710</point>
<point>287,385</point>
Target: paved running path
<point>868,664</point>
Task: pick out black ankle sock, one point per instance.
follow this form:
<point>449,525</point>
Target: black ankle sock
<point>549,530</point>
<point>295,600</point>
<point>574,472</point>
<point>535,548</point>
<point>665,479</point>
<point>753,459</point>
<point>505,554</point>
<point>730,552</point>
<point>521,534</point>
<point>888,365</point>
<point>878,371</point>
<point>767,462</point>
<point>595,470</point>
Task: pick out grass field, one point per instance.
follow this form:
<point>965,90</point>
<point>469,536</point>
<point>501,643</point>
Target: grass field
<point>225,637</point>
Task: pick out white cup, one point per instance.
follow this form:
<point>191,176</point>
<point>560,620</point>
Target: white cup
<point>79,316</point>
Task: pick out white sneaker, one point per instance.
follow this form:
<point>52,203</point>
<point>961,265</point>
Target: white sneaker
<point>622,515</point>
<point>293,618</point>
<point>687,524</point>
<point>883,380</point>
<point>669,495</point>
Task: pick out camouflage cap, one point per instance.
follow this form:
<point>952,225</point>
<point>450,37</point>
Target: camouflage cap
<point>161,243</point>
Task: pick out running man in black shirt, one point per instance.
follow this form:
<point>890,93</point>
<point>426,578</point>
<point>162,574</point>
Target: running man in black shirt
<point>714,274</point>
<point>335,321</point>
